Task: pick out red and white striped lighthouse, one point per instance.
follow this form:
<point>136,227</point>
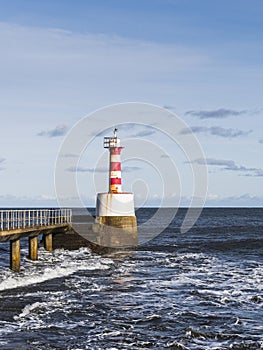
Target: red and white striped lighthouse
<point>116,222</point>
<point>113,144</point>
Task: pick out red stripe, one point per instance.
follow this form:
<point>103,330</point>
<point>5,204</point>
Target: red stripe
<point>115,150</point>
<point>115,166</point>
<point>115,181</point>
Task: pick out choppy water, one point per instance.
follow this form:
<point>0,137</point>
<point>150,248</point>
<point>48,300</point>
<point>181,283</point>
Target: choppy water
<point>199,290</point>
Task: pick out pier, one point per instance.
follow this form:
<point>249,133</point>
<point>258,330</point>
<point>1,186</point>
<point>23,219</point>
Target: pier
<point>18,223</point>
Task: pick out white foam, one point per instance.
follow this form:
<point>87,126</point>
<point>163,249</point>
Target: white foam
<point>28,309</point>
<point>6,328</point>
<point>59,264</point>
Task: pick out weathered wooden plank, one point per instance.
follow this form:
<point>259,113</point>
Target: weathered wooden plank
<point>26,230</point>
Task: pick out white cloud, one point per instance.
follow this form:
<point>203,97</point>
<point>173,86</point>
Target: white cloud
<point>230,165</point>
<point>216,131</point>
<point>217,113</point>
<point>42,200</point>
<point>58,131</point>
<point>51,67</point>
<point>2,160</point>
<point>70,155</point>
<point>243,200</point>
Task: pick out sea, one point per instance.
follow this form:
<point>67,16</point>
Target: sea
<point>201,289</point>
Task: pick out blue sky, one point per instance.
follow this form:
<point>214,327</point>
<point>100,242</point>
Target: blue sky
<point>61,60</point>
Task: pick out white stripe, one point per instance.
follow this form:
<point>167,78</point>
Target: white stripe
<point>115,188</point>
<point>115,174</point>
<point>115,158</point>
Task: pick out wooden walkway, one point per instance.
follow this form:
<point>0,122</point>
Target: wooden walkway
<point>18,223</point>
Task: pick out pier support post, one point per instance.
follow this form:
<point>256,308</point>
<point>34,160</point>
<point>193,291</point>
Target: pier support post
<point>15,255</point>
<point>48,242</point>
<point>33,248</point>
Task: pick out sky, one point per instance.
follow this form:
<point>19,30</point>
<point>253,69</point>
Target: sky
<point>63,60</point>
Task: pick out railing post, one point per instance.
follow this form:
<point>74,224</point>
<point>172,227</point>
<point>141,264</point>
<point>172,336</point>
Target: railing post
<point>12,219</point>
<point>18,219</point>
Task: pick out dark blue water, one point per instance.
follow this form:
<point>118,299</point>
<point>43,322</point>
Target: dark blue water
<point>198,290</point>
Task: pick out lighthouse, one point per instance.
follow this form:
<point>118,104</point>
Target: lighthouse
<point>115,223</point>
<point>113,144</point>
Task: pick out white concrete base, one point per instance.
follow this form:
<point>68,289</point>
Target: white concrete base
<point>115,204</point>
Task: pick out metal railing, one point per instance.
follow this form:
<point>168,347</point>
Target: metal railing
<point>19,219</point>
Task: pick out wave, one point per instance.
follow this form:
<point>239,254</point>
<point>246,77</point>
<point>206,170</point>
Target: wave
<point>59,264</point>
